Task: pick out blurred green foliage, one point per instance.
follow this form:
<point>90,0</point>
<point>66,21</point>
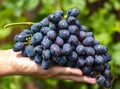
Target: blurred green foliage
<point>102,17</point>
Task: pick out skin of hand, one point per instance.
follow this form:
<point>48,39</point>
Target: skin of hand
<point>13,63</point>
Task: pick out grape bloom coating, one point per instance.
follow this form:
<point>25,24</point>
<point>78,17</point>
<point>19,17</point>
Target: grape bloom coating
<point>64,41</point>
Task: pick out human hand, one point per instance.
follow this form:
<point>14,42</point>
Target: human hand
<point>27,67</point>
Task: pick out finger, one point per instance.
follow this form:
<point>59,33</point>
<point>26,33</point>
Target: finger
<point>66,70</point>
<point>77,78</point>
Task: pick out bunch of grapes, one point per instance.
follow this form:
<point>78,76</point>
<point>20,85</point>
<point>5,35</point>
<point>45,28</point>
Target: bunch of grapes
<point>61,40</point>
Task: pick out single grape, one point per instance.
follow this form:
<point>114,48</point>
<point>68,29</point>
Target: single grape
<point>30,51</point>
<point>19,46</point>
<point>63,24</point>
<point>44,30</point>
<point>99,59</point>
<point>46,64</point>
<point>59,12</point>
<point>73,40</point>
<point>59,41</point>
<point>63,60</point>
<point>88,41</point>
<point>36,38</point>
<point>46,54</point>
<point>46,42</point>
<point>100,49</point>
<point>80,61</point>
<point>87,70</point>
<point>20,38</point>
<point>36,27</point>
<point>80,49</point>
<point>38,49</point>
<point>83,28</point>
<point>73,12</point>
<point>55,50</point>
<point>89,60</point>
<point>81,35</point>
<point>64,34</point>
<point>56,59</point>
<point>73,29</point>
<point>67,49</point>
<point>45,22</point>
<point>99,68</point>
<point>73,56</point>
<point>101,80</point>
<point>89,34</point>
<point>71,20</point>
<point>89,51</point>
<point>51,35</point>
<point>38,59</point>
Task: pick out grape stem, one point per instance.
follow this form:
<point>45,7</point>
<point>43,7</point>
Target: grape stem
<point>19,23</point>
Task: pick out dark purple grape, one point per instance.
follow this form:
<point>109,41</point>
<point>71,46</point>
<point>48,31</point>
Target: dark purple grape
<point>80,61</point>
<point>36,38</point>
<point>101,80</point>
<point>99,59</point>
<point>64,34</point>
<point>55,50</point>
<point>77,22</point>
<point>89,51</point>
<point>89,41</point>
<point>96,42</point>
<point>63,24</point>
<point>107,66</point>
<point>46,64</point>
<point>59,41</point>
<point>44,30</point>
<point>100,49</point>
<point>107,84</point>
<point>46,54</point>
<point>46,42</point>
<point>20,38</point>
<point>52,26</point>
<point>89,34</point>
<point>87,70</point>
<point>99,68</point>
<point>63,60</point>
<point>80,49</point>
<point>81,35</point>
<point>36,27</point>
<point>93,73</point>
<point>51,18</point>
<point>24,54</point>
<point>59,12</point>
<point>73,29</point>
<point>51,35</point>
<point>38,49</point>
<point>106,73</point>
<point>56,59</point>
<point>45,22</point>
<point>30,51</point>
<point>73,40</point>
<point>83,28</point>
<point>38,59</point>
<point>73,56</point>
<point>73,12</point>
<point>66,49</point>
<point>19,46</point>
<point>71,20</point>
<point>89,60</point>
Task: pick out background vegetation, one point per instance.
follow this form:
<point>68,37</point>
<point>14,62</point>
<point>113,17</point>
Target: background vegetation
<point>102,17</point>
